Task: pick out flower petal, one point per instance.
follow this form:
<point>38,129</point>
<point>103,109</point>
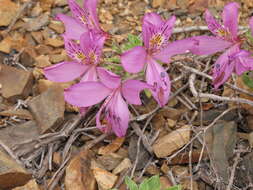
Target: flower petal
<point>90,74</point>
<point>92,43</point>
<point>175,48</point>
<point>133,60</point>
<point>167,27</point>
<point>79,13</point>
<point>108,78</point>
<point>131,90</point>
<point>243,62</point>
<point>73,49</point>
<point>213,25</point>
<point>206,45</point>
<point>73,29</point>
<point>91,7</point>
<point>230,18</point>
<point>86,94</point>
<point>251,25</point>
<point>153,18</point>
<point>120,123</point>
<point>65,71</point>
<point>224,66</point>
<point>159,79</point>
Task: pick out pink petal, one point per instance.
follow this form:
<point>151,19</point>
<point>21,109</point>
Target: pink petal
<point>116,114</point>
<point>150,21</point>
<point>90,74</point>
<point>91,7</point>
<point>131,90</point>
<point>80,14</point>
<point>108,78</point>
<point>153,18</point>
<point>133,60</point>
<point>213,25</point>
<point>146,33</point>
<point>224,66</point>
<point>120,124</point>
<point>65,71</point>
<point>175,48</point>
<point>206,45</point>
<point>159,79</point>
<point>86,94</point>
<point>73,49</point>
<point>167,27</point>
<point>230,18</point>
<point>92,42</point>
<point>243,62</point>
<point>251,25</point>
<point>73,29</point>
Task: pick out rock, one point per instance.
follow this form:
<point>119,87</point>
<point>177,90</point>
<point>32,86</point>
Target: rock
<point>5,45</point>
<point>157,3</point>
<point>57,26</point>
<point>11,174</point>
<point>78,173</point>
<point>112,147</point>
<point>143,156</point>
<point>31,185</point>
<point>42,61</point>
<point>11,89</point>
<point>13,135</point>
<point>44,85</point>
<point>105,179</point>
<point>26,58</point>
<point>35,24</point>
<point>54,42</point>
<point>36,11</point>
<point>166,145</point>
<point>60,3</point>
<point>42,49</point>
<point>8,11</point>
<point>110,161</point>
<point>57,58</point>
<point>221,141</point>
<point>125,164</point>
<point>48,108</point>
<point>37,36</point>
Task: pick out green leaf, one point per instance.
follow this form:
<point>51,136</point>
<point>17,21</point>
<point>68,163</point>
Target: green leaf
<point>177,187</point>
<point>131,184</point>
<point>154,183</point>
<point>133,41</point>
<point>248,79</point>
<point>249,36</point>
<point>113,59</point>
<point>144,185</point>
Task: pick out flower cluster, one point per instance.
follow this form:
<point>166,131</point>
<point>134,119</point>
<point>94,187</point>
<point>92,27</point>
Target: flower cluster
<point>84,41</point>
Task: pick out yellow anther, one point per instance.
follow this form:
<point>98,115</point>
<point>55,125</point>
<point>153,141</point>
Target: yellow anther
<point>156,40</point>
<point>80,56</point>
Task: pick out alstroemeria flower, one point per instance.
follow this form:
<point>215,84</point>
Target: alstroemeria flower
<point>225,39</point>
<point>83,19</point>
<point>85,57</point>
<point>113,114</point>
<point>232,60</point>
<point>155,35</point>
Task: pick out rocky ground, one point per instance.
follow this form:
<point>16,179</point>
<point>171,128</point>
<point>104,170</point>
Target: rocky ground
<point>196,140</point>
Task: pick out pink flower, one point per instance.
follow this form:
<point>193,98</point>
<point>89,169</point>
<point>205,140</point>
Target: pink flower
<point>113,115</point>
<point>232,60</point>
<point>225,38</point>
<point>83,19</point>
<point>155,35</point>
<point>85,57</point>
